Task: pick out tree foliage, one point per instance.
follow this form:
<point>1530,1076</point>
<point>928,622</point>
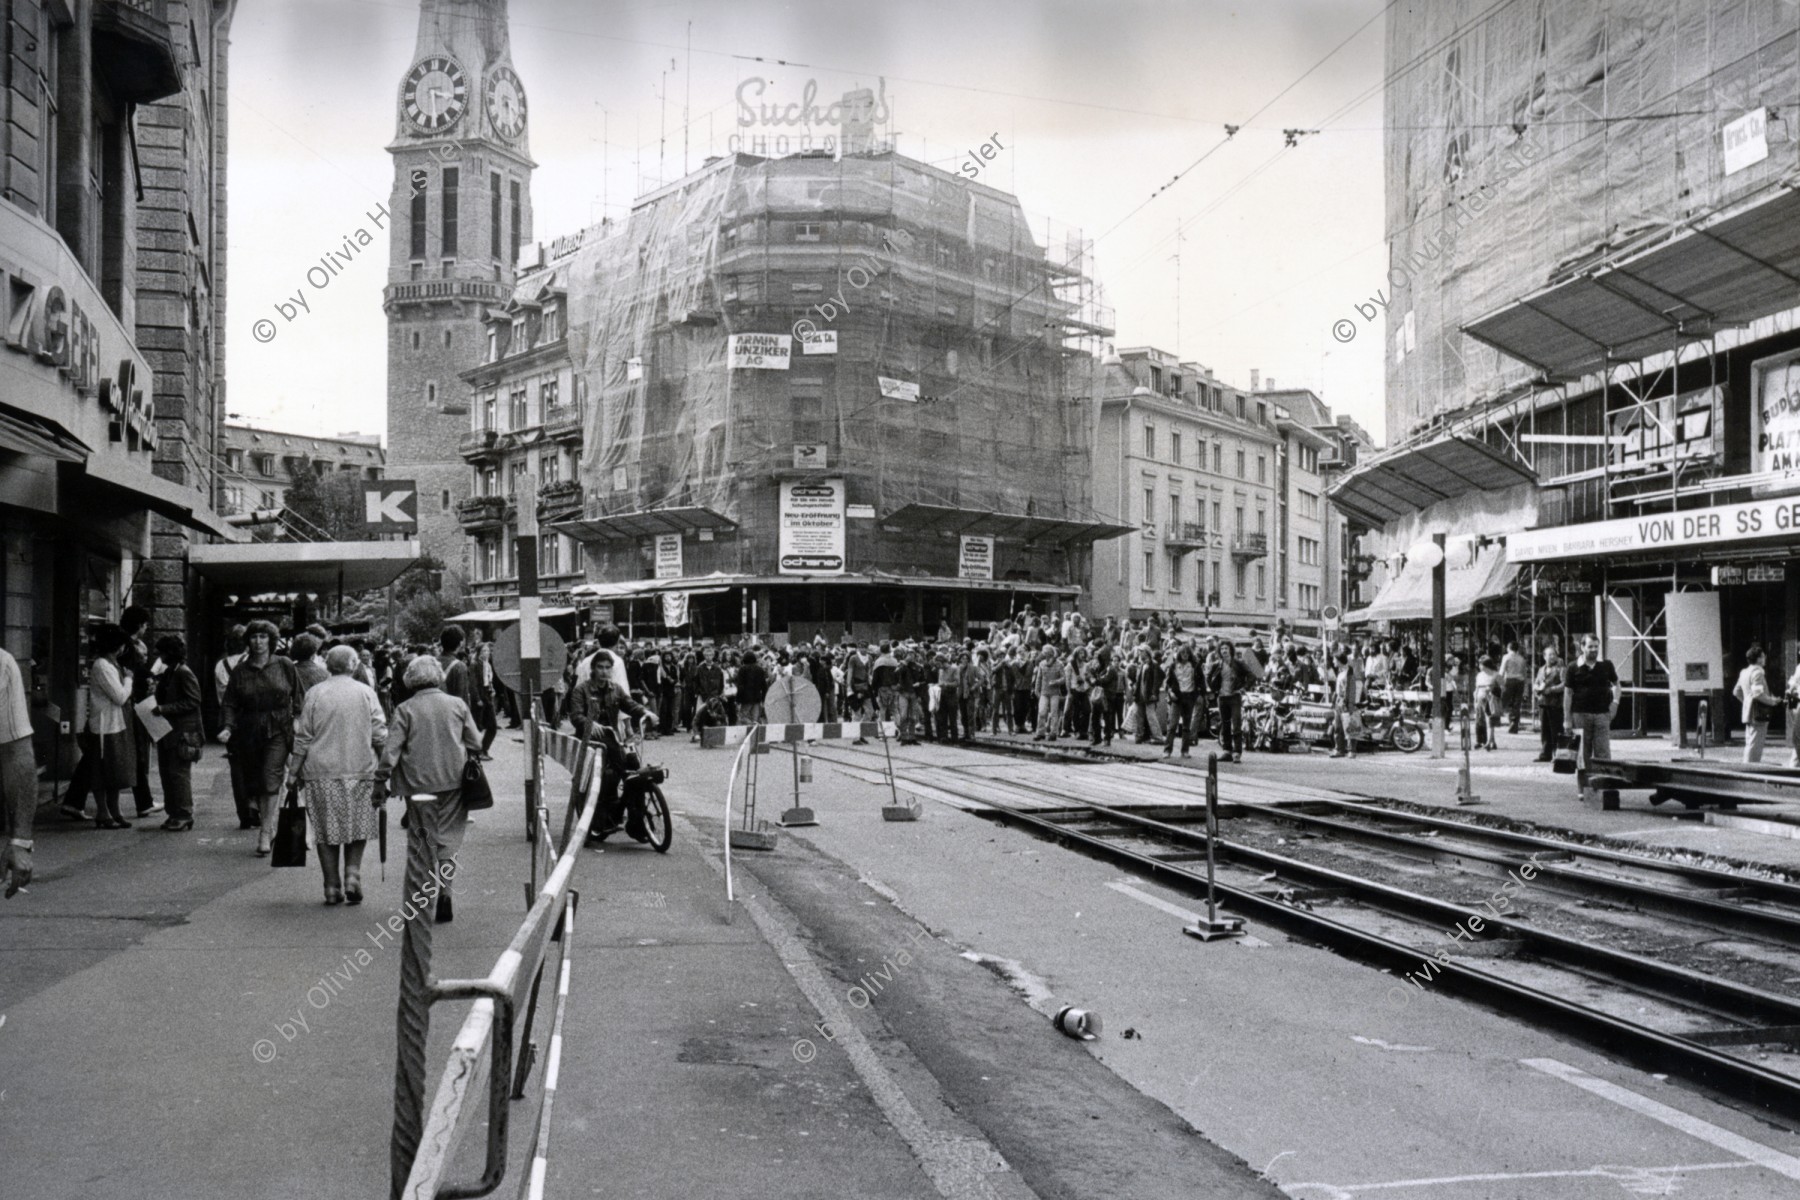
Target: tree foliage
<point>327,506</point>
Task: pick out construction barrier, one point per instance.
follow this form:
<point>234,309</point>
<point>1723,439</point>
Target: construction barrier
<point>755,740</point>
<point>426,1140</point>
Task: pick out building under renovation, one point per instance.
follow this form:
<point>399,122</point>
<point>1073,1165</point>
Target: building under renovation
<point>817,394</point>
<point>1594,229</point>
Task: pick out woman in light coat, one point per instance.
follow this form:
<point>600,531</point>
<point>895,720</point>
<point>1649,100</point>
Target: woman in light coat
<point>340,731</point>
<point>106,740</point>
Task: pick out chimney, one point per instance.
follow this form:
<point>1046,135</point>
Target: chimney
<point>1269,384</point>
<point>1255,380</point>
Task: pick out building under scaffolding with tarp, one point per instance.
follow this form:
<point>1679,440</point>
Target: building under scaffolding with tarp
<point>1594,230</point>
<point>859,390</point>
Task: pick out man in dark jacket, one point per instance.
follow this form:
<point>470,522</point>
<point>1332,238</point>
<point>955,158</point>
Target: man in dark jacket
<point>1228,678</point>
<point>709,693</point>
<point>752,690</point>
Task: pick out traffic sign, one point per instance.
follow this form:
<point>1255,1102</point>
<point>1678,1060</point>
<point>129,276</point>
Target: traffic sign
<point>391,505</point>
<point>792,701</point>
<point>553,655</point>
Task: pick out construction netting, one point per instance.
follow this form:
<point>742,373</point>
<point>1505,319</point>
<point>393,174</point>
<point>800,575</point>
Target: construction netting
<point>1528,139</point>
<point>909,331</point>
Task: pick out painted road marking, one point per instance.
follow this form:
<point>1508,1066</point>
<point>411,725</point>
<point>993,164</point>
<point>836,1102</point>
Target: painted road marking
<point>1175,910</point>
<point>1785,1165</point>
<point>1642,1180</point>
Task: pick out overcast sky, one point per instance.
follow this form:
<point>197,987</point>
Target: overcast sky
<point>1097,105</point>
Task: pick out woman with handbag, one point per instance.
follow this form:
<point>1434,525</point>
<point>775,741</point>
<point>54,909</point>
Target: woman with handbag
<point>106,739</point>
<point>341,729</point>
<point>429,745</point>
<point>178,703</point>
<point>260,706</point>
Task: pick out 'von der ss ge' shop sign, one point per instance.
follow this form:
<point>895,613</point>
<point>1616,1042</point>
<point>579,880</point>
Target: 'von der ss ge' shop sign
<point>761,351</point>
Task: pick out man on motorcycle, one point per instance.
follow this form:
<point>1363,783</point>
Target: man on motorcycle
<point>594,706</point>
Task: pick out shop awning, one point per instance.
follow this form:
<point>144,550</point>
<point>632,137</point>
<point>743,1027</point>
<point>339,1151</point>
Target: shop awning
<point>631,526</point>
<point>25,434</point>
<point>1474,575</point>
<point>1416,477</point>
<point>701,585</point>
<point>1724,270</point>
<point>940,518</point>
<point>260,568</point>
<point>161,496</point>
<point>504,616</point>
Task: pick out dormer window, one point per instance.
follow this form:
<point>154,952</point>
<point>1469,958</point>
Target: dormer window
<point>550,331</point>
<point>518,343</point>
<point>493,345</point>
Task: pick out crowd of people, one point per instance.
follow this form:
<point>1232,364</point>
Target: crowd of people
<point>335,724</point>
<point>350,719</point>
<point>1057,676</point>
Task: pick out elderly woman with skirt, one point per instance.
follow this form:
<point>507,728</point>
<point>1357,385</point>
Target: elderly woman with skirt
<point>341,729</point>
<point>432,736</point>
<point>261,703</point>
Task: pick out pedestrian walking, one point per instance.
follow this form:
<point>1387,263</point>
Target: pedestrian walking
<point>108,757</point>
<point>340,732</point>
<point>1487,703</point>
<point>177,702</point>
<point>1791,697</point>
<point>429,742</point>
<point>1183,684</point>
<point>1228,679</point>
<point>261,704</point>
<point>1515,672</point>
<point>18,779</point>
<point>1752,691</point>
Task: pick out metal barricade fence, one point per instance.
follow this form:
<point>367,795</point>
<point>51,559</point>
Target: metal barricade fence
<point>485,1052</point>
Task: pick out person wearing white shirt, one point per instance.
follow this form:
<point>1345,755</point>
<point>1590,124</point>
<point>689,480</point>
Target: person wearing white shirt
<point>18,778</point>
<point>1753,693</point>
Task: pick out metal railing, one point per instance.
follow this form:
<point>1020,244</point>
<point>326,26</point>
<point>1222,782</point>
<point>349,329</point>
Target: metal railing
<point>485,1052</point>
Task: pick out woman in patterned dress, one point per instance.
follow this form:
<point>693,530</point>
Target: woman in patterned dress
<point>336,742</point>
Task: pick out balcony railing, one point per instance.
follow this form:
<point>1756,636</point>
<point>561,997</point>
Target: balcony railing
<point>1246,546</point>
<point>477,443</point>
<point>1186,533</point>
<point>562,496</point>
<point>141,63</point>
<point>481,512</point>
<point>563,422</point>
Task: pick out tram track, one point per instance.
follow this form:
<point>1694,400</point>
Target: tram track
<point>1709,1012</point>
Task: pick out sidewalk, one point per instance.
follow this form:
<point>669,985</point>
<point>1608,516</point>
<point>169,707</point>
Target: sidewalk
<point>1511,785</point>
<point>177,1019</point>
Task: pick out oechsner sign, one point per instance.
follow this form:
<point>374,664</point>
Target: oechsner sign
<point>1726,523</point>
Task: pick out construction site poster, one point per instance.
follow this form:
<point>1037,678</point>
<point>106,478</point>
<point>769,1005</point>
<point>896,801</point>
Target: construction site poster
<point>763,351</point>
<point>1775,415</point>
<point>977,558</point>
<point>812,527</point>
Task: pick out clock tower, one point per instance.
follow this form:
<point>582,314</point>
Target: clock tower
<point>460,211</point>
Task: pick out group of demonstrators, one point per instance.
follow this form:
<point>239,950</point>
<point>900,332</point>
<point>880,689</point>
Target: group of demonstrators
<point>1059,675</point>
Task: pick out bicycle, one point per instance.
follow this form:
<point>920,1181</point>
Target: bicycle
<point>650,776</point>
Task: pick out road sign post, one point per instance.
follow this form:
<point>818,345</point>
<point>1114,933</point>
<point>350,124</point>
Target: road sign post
<point>530,643</point>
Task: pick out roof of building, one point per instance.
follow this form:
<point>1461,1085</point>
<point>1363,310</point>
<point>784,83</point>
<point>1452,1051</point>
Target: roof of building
<point>363,447</point>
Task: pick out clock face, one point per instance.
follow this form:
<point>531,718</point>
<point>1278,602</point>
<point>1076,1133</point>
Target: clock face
<point>435,94</point>
<point>506,103</point>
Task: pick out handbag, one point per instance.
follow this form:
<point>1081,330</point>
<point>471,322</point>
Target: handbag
<point>289,846</point>
<point>1353,723</point>
<point>187,746</point>
<point>118,760</point>
<point>1565,760</point>
<point>475,790</point>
